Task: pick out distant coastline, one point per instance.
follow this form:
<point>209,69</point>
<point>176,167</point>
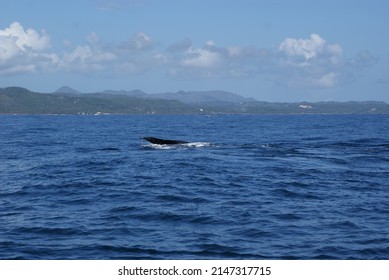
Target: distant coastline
<point>67,101</point>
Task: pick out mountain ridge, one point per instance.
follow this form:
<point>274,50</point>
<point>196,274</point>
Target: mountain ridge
<point>67,90</point>
<point>18,100</point>
<point>186,97</point>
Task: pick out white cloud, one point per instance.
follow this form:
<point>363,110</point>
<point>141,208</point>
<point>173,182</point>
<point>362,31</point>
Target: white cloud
<point>212,61</point>
<point>210,43</point>
<point>86,58</point>
<point>307,48</point>
<point>26,38</point>
<point>142,41</point>
<point>17,69</point>
<point>180,46</point>
<point>138,42</point>
<point>80,53</point>
<point>22,51</point>
<point>298,63</point>
<point>234,51</point>
<point>202,58</point>
<point>305,52</point>
<point>160,57</point>
<point>8,48</point>
<point>311,62</point>
<point>15,40</point>
<point>132,57</point>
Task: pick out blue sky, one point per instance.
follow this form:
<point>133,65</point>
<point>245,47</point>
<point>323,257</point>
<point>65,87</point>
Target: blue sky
<point>272,50</point>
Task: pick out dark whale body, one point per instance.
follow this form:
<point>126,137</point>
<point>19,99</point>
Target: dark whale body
<point>160,141</point>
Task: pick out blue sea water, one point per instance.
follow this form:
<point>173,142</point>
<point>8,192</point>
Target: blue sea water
<point>246,187</point>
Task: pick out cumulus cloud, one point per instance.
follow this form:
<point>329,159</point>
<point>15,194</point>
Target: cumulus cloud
<point>307,48</point>
<point>310,63</point>
<point>201,57</point>
<point>15,40</point>
<point>22,50</point>
<point>186,61</point>
<point>8,48</point>
<point>141,41</point>
<point>296,62</point>
<point>303,52</point>
<point>86,58</point>
<point>138,42</point>
<point>25,50</point>
<point>180,46</point>
<point>26,38</point>
<point>212,61</point>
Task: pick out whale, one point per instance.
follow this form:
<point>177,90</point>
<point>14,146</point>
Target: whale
<point>160,141</point>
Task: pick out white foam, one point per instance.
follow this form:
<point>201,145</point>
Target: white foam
<point>160,147</point>
<point>197,144</point>
<point>178,146</point>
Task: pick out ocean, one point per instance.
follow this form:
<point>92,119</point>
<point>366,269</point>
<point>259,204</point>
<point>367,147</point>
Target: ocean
<point>245,187</point>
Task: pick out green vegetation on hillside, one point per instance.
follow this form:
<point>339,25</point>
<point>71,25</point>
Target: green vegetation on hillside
<point>16,100</point>
<point>21,101</point>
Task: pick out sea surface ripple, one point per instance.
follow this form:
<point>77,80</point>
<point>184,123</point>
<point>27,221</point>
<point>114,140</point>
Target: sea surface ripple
<point>245,187</point>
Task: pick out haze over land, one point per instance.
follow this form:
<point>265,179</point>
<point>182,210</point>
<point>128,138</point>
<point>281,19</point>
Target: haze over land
<point>271,50</point>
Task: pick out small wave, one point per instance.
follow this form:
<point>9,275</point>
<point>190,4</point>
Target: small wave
<point>123,209</point>
<point>214,250</point>
<point>87,150</point>
<point>205,220</point>
<point>181,199</point>
<point>51,231</point>
<point>249,233</point>
<point>109,149</point>
<point>287,217</point>
<point>162,216</point>
<point>344,225</point>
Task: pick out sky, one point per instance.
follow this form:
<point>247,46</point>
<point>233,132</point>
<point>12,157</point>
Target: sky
<point>271,50</point>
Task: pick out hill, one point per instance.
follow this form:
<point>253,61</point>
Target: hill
<point>67,90</point>
<point>17,100</point>
<point>22,101</point>
<point>187,97</point>
<point>202,97</point>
